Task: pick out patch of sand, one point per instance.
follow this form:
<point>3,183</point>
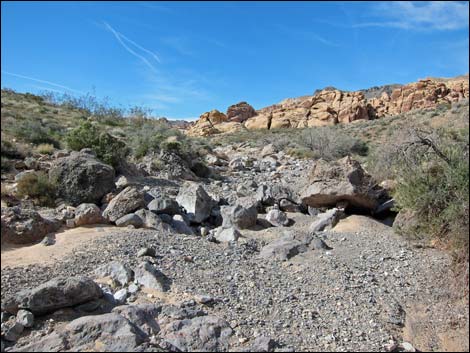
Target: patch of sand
<point>66,242</point>
<point>356,223</point>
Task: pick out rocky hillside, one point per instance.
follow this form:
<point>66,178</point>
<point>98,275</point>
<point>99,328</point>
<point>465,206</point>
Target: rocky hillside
<point>331,106</point>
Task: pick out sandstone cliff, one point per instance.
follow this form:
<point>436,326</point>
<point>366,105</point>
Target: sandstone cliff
<point>332,106</point>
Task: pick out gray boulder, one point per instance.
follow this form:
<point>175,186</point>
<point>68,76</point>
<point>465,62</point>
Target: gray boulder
<point>130,219</point>
<point>180,226</point>
<point>55,294</point>
<point>283,249</point>
<point>269,195</point>
<point>118,271</point>
<point>224,235</point>
<point>23,226</point>
<point>148,276</point>
<point>195,200</point>
<point>164,205</point>
<point>25,318</point>
<point>88,213</point>
<point>277,218</point>
<point>152,221</point>
<point>81,178</point>
<point>239,216</point>
<point>127,201</point>
<point>199,334</point>
<point>113,332</point>
<point>143,316</point>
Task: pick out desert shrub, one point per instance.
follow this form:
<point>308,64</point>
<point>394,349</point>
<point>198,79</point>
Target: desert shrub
<point>107,148</point>
<point>44,148</point>
<point>331,144</point>
<point>34,132</point>
<point>38,187</point>
<point>432,173</point>
<point>300,152</point>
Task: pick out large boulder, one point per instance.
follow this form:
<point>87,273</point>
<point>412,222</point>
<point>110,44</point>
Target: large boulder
<point>199,334</point>
<point>23,226</point>
<point>88,213</point>
<point>195,200</point>
<point>81,178</point>
<point>332,183</point>
<point>55,294</point>
<point>127,201</point>
<point>239,216</point>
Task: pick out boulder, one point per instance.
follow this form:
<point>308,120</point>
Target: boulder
<point>88,213</point>
<point>55,294</point>
<point>128,200</point>
<point>199,334</point>
<point>81,178</point>
<point>238,216</point>
<point>326,220</point>
<point>277,218</point>
<point>142,315</point>
<point>269,195</point>
<point>148,276</point>
<point>225,235</point>
<point>23,226</point>
<point>118,271</point>
<point>152,221</point>
<point>110,332</point>
<point>164,205</point>
<point>130,219</point>
<point>195,200</point>
<point>331,183</point>
<point>263,344</point>
<point>179,224</point>
<point>283,249</point>
<point>25,318</point>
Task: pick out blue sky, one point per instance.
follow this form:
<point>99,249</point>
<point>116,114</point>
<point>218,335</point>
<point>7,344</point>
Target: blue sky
<point>184,58</point>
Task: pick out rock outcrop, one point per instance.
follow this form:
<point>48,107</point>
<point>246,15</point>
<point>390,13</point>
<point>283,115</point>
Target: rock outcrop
<point>331,106</point>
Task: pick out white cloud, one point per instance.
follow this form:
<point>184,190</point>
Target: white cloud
<point>54,84</point>
<point>429,15</point>
<point>122,38</point>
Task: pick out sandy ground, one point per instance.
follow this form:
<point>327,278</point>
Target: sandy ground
<point>67,242</point>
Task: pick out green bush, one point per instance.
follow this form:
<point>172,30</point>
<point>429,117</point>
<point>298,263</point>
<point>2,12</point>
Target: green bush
<point>432,173</point>
<point>107,148</point>
<point>38,188</point>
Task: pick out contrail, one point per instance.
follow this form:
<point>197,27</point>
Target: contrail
<point>118,37</point>
<point>42,81</point>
